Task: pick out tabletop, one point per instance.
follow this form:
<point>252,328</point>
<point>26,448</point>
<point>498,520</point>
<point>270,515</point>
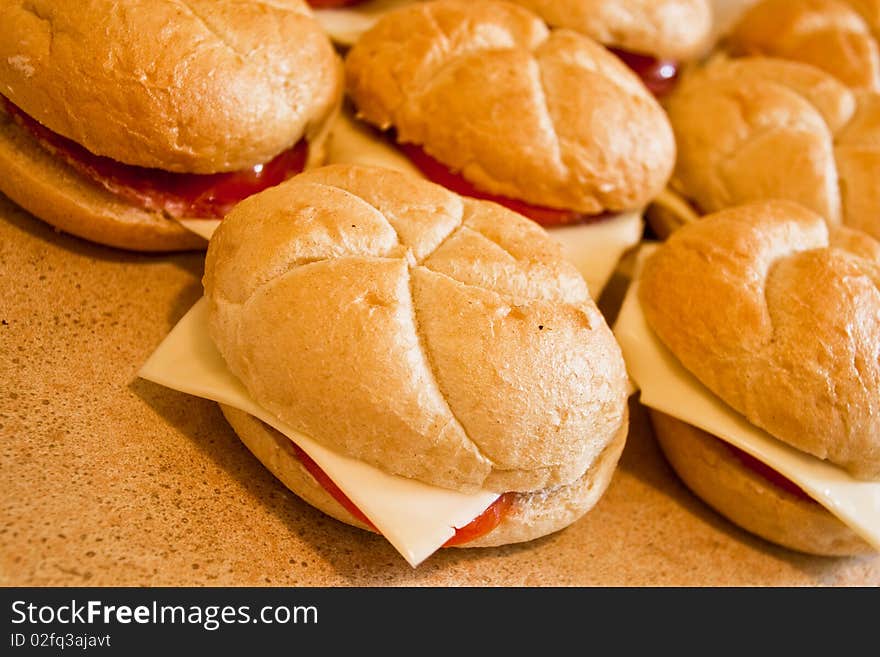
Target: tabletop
<point>109,480</point>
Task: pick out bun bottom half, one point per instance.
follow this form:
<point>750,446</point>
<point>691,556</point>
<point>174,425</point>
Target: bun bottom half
<point>530,516</point>
<point>53,192</point>
<point>713,473</point>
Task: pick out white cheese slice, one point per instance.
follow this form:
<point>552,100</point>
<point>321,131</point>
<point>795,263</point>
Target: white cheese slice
<point>344,25</point>
<point>417,519</point>
<point>668,387</point>
<point>203,227</point>
<point>595,249</point>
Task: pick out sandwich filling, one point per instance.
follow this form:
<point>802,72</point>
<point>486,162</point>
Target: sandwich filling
<point>479,526</point>
<point>770,475</point>
<point>659,75</point>
<point>439,173</point>
<point>176,195</point>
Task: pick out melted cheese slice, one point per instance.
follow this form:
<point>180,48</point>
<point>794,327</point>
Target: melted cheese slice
<point>595,249</point>
<point>344,25</point>
<point>668,387</point>
<point>416,518</point>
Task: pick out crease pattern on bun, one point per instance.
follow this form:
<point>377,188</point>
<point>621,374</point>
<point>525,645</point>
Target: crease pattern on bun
<point>201,86</point>
<point>469,351</point>
<point>838,36</point>
<point>755,128</point>
<point>548,117</point>
<point>780,321</point>
<point>676,29</point>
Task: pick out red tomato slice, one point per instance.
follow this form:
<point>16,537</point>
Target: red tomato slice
<point>772,476</point>
<point>482,524</point>
<point>659,75</point>
<point>194,195</point>
<point>437,172</point>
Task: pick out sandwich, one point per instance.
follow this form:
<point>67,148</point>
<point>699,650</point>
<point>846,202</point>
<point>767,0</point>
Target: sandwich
<point>485,100</point>
<point>838,36</point>
<point>763,381</point>
<point>655,38</point>
<point>755,127</point>
<point>119,123</point>
<point>381,322</point>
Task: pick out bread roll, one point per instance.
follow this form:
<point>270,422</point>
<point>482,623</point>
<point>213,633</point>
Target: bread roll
<point>432,336</point>
<point>773,315</point>
<point>665,29</point>
<point>550,118</point>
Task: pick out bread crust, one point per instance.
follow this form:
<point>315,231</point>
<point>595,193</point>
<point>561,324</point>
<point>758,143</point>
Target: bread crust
<point>469,349</point>
<point>758,128</point>
<point>747,499</point>
<point>530,516</point>
<point>199,86</point>
<point>52,191</point>
<point>838,36</point>
<point>784,329</point>
<point>551,118</point>
<point>666,29</point>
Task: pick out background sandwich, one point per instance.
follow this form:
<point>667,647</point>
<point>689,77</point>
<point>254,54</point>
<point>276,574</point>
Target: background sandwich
<point>778,321</point>
<point>484,99</point>
<point>117,123</point>
<point>754,128</point>
<point>655,38</point>
<point>436,339</point>
<point>838,36</point>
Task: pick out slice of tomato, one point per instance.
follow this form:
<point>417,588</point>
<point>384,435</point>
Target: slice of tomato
<point>437,172</point>
<point>192,195</point>
<point>479,526</point>
<point>772,476</point>
<point>659,75</point>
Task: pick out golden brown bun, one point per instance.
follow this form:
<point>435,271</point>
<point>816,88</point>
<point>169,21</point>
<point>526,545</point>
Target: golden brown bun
<point>551,118</point>
<point>52,191</point>
<point>435,337</point>
<point>666,29</point>
<point>530,516</point>
<point>839,36</point>
<point>781,327</point>
<point>201,86</point>
<point>759,128</point>
<point>712,472</point>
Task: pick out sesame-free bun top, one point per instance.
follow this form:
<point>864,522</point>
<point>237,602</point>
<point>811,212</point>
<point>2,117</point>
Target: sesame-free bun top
<point>839,36</point>
<point>673,29</point>
<point>549,117</point>
<point>755,128</point>
<point>435,337</point>
<point>777,317</point>
<point>199,86</point>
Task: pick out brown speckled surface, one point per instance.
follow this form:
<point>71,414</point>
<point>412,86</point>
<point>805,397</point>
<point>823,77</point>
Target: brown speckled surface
<point>107,479</point>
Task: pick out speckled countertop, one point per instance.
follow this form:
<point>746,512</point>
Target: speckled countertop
<point>107,479</point>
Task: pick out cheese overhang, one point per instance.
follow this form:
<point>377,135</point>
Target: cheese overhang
<point>665,385</point>
<point>345,25</point>
<point>416,518</point>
